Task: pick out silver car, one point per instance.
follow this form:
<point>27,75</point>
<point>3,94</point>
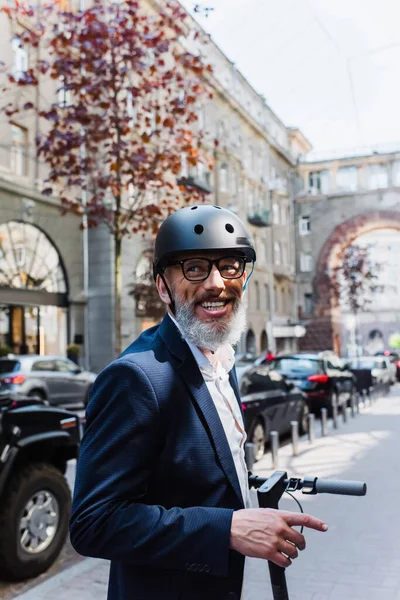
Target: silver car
<point>53,378</point>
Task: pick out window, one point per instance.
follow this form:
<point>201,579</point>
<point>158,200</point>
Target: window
<point>19,137</point>
<point>277,253</point>
<point>66,367</point>
<point>347,179</point>
<point>44,365</point>
<point>257,294</point>
<point>235,183</point>
<point>304,225</point>
<point>223,178</point>
<point>307,304</point>
<point>305,262</point>
<point>396,173</point>
<point>318,182</point>
<point>285,253</point>
<point>377,177</point>
<point>63,94</point>
<point>284,219</point>
<point>19,57</point>
<point>275,214</point>
<point>266,292</point>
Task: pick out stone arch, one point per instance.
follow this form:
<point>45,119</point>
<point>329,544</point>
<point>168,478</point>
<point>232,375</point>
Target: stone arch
<point>322,330</point>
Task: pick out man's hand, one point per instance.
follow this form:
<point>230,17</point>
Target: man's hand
<point>267,533</point>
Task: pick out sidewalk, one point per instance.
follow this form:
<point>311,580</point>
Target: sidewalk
<point>357,559</point>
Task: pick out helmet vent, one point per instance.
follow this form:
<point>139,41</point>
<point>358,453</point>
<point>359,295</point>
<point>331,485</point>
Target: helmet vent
<point>193,208</point>
<point>198,229</point>
<point>230,228</point>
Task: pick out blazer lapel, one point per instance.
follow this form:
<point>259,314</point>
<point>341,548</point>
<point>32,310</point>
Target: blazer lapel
<point>190,373</point>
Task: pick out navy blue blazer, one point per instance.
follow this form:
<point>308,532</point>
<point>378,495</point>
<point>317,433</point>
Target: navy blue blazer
<point>156,484</point>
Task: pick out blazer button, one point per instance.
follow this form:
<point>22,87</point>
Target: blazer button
<point>193,567</point>
<point>207,568</point>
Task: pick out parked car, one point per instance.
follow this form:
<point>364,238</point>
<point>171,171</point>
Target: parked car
<point>53,378</point>
<point>322,376</point>
<point>36,441</point>
<point>394,359</point>
<point>380,367</point>
<point>270,403</point>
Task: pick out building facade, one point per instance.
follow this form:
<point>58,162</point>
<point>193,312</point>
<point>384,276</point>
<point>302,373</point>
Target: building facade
<point>254,175</point>
<point>341,201</point>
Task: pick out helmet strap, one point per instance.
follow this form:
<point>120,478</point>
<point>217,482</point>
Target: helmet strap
<point>248,278</point>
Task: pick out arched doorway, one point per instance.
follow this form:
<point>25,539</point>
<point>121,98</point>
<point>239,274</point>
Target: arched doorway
<point>264,341</point>
<point>323,330</point>
<point>33,292</point>
<point>251,344</point>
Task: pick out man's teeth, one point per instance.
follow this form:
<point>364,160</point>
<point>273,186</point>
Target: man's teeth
<point>213,305</point>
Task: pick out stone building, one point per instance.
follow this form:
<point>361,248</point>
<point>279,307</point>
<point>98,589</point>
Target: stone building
<point>342,200</point>
<point>45,301</point>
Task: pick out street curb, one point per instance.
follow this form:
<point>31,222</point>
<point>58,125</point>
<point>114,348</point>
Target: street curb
<point>61,579</point>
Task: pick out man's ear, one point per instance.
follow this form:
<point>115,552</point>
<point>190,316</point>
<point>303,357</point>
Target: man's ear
<point>162,290</point>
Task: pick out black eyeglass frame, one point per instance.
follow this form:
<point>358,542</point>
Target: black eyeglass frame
<point>211,262</point>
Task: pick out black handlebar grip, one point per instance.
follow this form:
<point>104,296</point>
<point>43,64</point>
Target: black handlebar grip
<point>342,487</point>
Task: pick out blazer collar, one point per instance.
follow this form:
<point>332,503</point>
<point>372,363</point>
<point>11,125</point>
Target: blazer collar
<point>190,373</point>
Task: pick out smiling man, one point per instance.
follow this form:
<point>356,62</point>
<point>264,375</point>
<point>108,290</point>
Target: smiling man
<point>162,485</point>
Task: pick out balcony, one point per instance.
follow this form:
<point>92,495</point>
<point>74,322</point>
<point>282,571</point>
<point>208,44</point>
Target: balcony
<point>279,185</point>
<point>259,218</point>
<point>199,184</point>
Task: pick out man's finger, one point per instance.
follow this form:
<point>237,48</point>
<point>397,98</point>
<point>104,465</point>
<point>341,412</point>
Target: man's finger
<point>298,519</point>
<point>296,538</point>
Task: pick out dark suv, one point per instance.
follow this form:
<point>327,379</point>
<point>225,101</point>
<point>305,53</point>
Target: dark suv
<point>323,377</point>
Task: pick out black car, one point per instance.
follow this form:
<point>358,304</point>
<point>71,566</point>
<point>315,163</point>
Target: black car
<point>36,442</point>
<point>270,403</point>
<point>323,377</point>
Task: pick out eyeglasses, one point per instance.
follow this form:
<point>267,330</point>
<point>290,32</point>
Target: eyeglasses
<point>198,269</point>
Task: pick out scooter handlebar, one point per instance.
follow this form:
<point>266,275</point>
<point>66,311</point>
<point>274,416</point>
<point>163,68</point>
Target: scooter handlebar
<point>342,487</point>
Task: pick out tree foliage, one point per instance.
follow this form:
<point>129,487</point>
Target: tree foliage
<point>123,123</point>
<point>354,278</point>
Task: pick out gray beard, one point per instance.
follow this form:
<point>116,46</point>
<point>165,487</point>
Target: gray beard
<point>210,335</point>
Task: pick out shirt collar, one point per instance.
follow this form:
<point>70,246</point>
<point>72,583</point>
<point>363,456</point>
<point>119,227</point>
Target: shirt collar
<point>225,354</point>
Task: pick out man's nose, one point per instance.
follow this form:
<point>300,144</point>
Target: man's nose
<point>214,280</point>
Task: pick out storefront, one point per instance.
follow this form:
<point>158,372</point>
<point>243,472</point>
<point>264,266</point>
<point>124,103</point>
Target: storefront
<point>34,306</point>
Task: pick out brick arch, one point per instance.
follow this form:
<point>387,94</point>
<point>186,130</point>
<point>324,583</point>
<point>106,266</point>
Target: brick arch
<point>322,329</point>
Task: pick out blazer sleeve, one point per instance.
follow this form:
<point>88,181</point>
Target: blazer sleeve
<point>119,447</point>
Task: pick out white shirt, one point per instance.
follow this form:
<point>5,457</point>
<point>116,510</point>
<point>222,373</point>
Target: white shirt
<point>217,381</point>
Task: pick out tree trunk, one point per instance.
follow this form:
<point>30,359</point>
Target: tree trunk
<point>117,293</point>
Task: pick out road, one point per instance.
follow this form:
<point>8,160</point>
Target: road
<point>357,559</point>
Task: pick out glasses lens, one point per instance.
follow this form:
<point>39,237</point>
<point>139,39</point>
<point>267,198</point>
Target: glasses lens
<point>196,269</point>
<point>231,267</point>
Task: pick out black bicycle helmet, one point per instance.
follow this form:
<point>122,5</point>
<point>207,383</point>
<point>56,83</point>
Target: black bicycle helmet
<point>201,227</point>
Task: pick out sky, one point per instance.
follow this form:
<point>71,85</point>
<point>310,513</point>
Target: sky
<point>329,67</point>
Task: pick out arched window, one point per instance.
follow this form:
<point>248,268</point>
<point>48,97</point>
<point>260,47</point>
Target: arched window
<point>251,345</point>
<point>264,341</point>
<point>223,178</point>
<point>257,295</point>
<point>29,260</point>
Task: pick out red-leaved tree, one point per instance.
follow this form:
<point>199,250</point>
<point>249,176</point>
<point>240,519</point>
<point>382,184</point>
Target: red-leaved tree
<point>123,123</point>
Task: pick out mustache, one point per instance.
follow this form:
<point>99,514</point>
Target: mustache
<point>214,298</point>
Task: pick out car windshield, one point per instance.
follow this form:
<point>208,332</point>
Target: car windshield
<point>7,366</point>
<point>292,365</point>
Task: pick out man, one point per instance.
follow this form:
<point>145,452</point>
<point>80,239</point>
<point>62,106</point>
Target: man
<point>161,487</point>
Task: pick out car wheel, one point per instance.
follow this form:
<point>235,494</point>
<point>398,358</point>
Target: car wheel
<point>33,521</point>
<point>303,425</point>
<point>38,394</point>
<point>258,439</point>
